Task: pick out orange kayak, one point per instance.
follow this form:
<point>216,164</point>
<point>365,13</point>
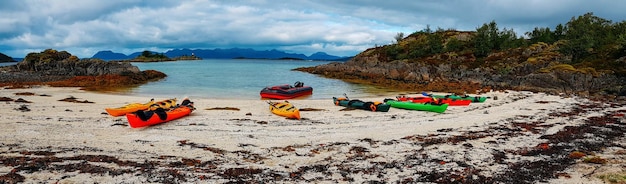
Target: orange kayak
<point>152,117</point>
<point>133,107</point>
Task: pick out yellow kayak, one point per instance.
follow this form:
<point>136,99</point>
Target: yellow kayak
<point>285,109</point>
<point>133,107</point>
<point>165,104</point>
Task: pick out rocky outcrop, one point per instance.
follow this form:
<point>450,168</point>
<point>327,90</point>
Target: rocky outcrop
<point>63,69</point>
<point>51,62</point>
<point>536,68</point>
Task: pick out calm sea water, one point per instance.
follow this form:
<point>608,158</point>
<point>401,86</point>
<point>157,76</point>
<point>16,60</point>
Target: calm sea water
<point>7,64</point>
<point>242,79</point>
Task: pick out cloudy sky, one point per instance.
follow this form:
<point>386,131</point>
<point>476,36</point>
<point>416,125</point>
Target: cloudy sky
<point>337,27</point>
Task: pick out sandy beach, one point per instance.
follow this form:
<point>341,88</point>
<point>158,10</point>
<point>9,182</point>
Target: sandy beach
<point>514,137</point>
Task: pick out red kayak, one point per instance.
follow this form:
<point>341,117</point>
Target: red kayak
<point>286,91</point>
<point>152,117</point>
<point>449,101</point>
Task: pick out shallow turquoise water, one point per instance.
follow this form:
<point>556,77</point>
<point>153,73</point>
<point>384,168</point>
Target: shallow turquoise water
<point>241,78</point>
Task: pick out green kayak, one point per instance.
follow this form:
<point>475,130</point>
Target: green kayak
<point>439,108</point>
<point>478,99</point>
<point>358,104</point>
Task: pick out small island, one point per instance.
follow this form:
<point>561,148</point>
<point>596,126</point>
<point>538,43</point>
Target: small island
<point>148,56</point>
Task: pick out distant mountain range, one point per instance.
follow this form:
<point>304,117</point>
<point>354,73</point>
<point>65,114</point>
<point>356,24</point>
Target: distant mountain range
<point>234,53</point>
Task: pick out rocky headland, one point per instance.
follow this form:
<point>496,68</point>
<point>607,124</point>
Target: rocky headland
<point>539,67</point>
<point>568,59</point>
<point>4,58</point>
<point>62,69</point>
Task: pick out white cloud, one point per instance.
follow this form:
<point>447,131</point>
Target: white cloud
<point>303,26</point>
